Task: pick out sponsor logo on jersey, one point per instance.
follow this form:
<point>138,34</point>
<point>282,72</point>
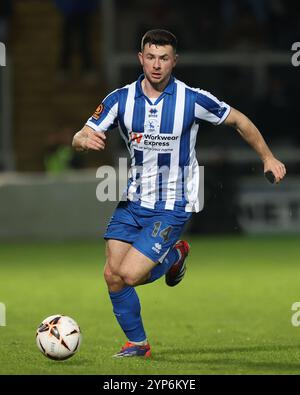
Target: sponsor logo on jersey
<point>136,137</point>
<point>98,111</point>
<point>159,140</point>
<point>153,140</point>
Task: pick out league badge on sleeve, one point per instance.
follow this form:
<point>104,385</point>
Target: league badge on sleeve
<point>98,111</point>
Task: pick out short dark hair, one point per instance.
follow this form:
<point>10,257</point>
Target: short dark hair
<point>159,37</point>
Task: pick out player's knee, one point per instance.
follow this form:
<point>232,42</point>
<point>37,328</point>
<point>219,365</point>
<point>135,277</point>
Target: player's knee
<point>129,277</point>
<point>131,280</point>
<point>112,279</point>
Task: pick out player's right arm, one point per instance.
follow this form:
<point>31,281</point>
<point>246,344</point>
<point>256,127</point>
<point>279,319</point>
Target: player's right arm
<point>92,135</point>
<point>87,139</point>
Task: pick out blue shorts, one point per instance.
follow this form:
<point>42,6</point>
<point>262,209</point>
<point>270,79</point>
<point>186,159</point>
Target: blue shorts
<point>150,231</point>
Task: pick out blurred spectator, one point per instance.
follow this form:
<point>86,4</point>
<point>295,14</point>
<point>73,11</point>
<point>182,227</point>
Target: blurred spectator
<point>274,109</point>
<point>214,24</point>
<point>6,10</point>
<point>285,23</point>
<point>245,23</point>
<point>76,35</point>
<point>59,155</point>
<point>259,23</point>
<point>230,10</point>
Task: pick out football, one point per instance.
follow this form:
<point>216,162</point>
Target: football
<point>58,337</point>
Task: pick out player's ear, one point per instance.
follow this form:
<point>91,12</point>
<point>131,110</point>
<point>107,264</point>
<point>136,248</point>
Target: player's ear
<point>140,56</point>
<point>175,59</point>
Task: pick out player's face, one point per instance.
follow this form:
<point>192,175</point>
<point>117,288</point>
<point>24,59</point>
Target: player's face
<point>158,62</point>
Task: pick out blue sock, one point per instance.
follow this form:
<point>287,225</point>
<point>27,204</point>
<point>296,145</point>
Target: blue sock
<point>127,309</point>
<point>161,268</point>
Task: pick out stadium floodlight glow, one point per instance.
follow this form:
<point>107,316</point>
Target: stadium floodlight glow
<point>2,55</point>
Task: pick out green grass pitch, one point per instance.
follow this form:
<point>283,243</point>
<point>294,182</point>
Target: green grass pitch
<point>230,315</point>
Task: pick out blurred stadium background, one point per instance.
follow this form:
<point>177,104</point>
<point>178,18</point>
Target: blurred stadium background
<point>64,56</point>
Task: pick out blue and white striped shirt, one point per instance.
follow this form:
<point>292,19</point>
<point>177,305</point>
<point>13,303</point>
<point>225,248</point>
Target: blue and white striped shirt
<point>160,136</point>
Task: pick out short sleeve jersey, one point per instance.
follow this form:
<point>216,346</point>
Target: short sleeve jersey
<point>160,135</point>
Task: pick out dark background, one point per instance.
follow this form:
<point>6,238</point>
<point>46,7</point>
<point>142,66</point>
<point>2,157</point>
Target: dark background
<point>63,58</point>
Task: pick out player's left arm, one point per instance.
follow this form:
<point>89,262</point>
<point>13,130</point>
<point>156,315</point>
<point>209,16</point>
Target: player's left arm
<point>254,138</point>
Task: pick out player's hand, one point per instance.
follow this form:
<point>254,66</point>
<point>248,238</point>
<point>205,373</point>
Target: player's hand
<point>88,139</point>
<point>93,141</point>
<point>276,167</point>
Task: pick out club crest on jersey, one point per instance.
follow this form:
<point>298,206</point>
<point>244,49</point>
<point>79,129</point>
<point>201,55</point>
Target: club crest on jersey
<point>98,111</point>
<point>136,137</point>
<point>151,125</point>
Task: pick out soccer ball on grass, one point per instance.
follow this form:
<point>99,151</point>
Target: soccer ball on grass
<point>58,337</point>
